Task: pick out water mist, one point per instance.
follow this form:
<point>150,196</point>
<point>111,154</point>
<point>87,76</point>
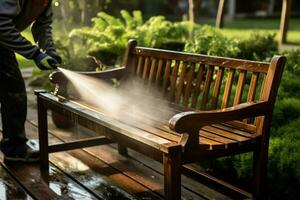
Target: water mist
<point>131,102</point>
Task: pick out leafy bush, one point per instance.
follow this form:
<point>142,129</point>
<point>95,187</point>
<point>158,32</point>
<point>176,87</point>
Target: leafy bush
<point>157,32</point>
<point>289,86</point>
<point>258,47</point>
<point>209,40</point>
<point>286,111</point>
<point>110,34</point>
<point>293,61</point>
<point>284,162</point>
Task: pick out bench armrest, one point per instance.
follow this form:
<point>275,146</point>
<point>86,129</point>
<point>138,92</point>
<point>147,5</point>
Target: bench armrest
<point>195,120</point>
<point>58,77</point>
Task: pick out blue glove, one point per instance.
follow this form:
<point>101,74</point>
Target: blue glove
<point>45,62</point>
<point>54,55</point>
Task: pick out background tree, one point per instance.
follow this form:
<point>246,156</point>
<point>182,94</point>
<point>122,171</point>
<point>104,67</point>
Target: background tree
<point>194,10</point>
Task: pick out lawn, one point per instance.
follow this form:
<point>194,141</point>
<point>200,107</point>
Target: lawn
<point>242,28</point>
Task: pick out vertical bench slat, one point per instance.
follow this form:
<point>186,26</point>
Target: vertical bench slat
<point>217,88</point>
<point>152,69</point>
<point>189,85</point>
<point>198,85</point>
<point>253,86</point>
<point>174,80</point>
<point>252,90</point>
<point>159,71</point>
<point>228,87</point>
<point>166,75</point>
<point>146,68</point>
<point>181,83</point>
<point>240,87</point>
<point>140,64</point>
<point>207,84</point>
<point>258,120</point>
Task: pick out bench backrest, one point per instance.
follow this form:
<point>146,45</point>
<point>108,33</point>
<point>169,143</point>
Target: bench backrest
<point>206,82</point>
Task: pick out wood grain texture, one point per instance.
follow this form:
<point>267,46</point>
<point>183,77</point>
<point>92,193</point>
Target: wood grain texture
<point>240,87</point>
<point>217,88</point>
<point>248,65</point>
<point>228,87</point>
<point>198,85</point>
<point>189,83</point>
<point>181,83</point>
<point>207,85</point>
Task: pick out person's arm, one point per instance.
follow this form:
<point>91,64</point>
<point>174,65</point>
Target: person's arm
<point>10,37</point>
<point>42,30</point>
<point>42,33</point>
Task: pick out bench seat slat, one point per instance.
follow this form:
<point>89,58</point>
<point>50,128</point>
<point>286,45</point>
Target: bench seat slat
<point>229,128</point>
<point>215,137</point>
<point>159,132</point>
<point>226,134</point>
<point>210,144</point>
<point>104,120</point>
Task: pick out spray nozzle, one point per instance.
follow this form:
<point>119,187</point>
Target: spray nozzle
<point>58,77</point>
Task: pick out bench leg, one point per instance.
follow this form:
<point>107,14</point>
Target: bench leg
<point>43,135</point>
<point>260,159</point>
<point>122,150</point>
<point>172,174</point>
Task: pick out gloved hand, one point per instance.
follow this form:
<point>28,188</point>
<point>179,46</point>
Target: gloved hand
<point>54,55</point>
<point>45,62</point>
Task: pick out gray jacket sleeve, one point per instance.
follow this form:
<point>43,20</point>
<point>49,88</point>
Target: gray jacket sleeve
<point>42,30</point>
<point>10,37</point>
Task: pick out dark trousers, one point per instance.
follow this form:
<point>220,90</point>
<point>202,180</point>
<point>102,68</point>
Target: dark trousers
<point>13,102</point>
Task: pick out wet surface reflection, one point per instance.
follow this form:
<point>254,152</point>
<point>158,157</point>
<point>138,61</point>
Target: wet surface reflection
<point>9,189</point>
<point>64,187</point>
<point>103,187</point>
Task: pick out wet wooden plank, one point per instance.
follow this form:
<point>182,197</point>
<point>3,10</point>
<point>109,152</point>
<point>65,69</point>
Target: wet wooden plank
<point>99,177</point>
<point>129,167</point>
<point>188,183</point>
<point>105,181</point>
<point>10,189</point>
<point>42,186</point>
<point>52,185</point>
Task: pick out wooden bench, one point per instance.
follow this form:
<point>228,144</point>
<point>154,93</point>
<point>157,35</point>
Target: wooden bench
<point>220,107</point>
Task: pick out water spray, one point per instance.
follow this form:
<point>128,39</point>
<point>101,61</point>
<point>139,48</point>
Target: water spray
<point>126,103</point>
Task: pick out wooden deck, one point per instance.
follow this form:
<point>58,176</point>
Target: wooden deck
<point>91,173</point>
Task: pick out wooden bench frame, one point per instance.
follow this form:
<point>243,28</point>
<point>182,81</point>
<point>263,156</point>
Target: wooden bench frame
<point>185,125</point>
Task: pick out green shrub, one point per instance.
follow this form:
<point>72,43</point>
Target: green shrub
<point>289,86</point>
<point>293,61</point>
<point>157,32</point>
<point>110,33</point>
<point>209,40</point>
<point>258,47</point>
<point>284,162</point>
<point>286,111</point>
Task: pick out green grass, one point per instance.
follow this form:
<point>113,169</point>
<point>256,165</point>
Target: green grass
<point>242,28</point>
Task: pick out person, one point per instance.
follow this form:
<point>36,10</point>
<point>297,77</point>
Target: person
<point>16,16</point>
